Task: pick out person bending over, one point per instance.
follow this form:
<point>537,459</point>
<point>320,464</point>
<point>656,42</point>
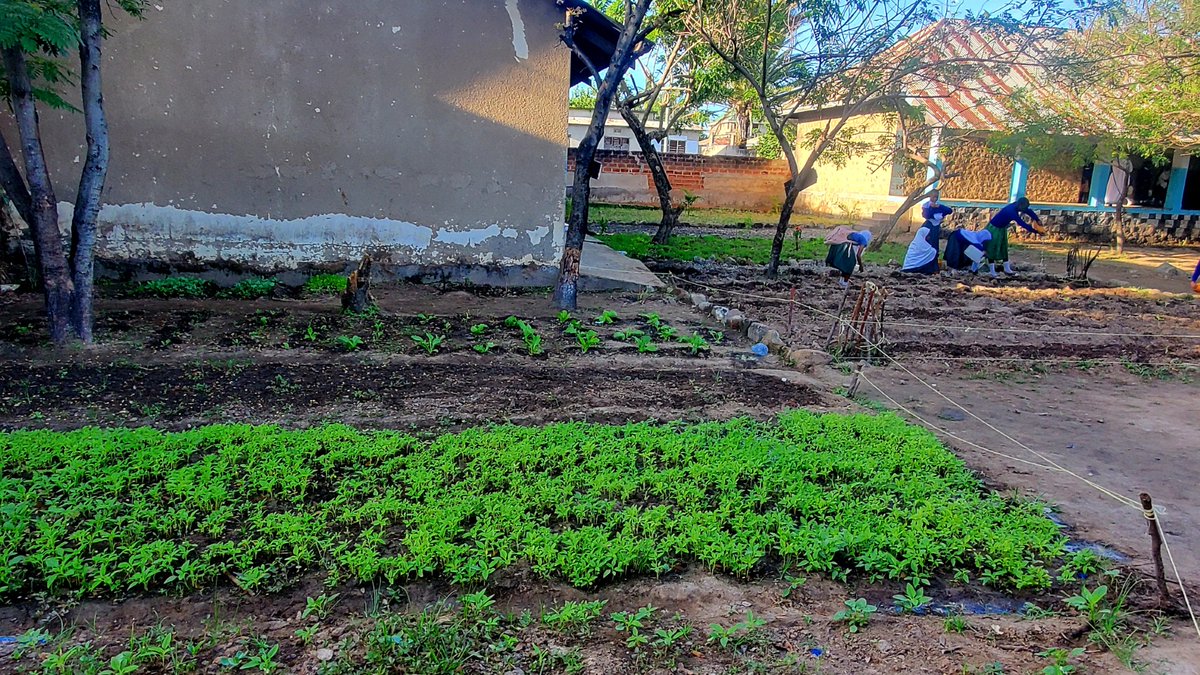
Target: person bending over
<point>997,248</point>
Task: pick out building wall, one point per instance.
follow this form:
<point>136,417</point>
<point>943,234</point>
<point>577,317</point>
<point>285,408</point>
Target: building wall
<point>1054,186</point>
<point>982,174</point>
<point>1144,227</point>
<point>862,185</point>
<point>277,134</point>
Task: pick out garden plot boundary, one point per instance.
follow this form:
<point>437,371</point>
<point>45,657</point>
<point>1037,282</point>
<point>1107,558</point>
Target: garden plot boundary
<point>1154,516</point>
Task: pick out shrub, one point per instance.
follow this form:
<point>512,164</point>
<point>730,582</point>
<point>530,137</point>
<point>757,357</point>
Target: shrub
<point>249,289</point>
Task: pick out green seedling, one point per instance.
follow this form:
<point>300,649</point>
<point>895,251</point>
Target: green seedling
<point>695,343</point>
<point>307,633</point>
<point>856,615</point>
<point>742,632</point>
<point>429,342</point>
<point>606,318</point>
<point>310,333</point>
<point>349,343</point>
<point>1061,661</point>
<point>484,347</point>
<point>533,344</point>
<point>320,606</point>
<point>667,333</point>
<point>574,615</point>
<point>912,599</point>
<point>645,345</point>
<point>587,341</point>
<point>564,317</point>
<point>572,328</point>
<point>628,335</point>
<point>955,624</point>
<point>651,319</point>
<point>479,329</point>
<point>512,322</point>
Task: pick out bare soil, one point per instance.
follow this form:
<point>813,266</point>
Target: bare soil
<point>180,363</point>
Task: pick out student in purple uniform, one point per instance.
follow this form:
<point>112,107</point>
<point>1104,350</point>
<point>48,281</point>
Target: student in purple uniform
<point>997,248</point>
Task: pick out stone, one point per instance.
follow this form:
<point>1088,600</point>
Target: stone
<point>734,319</point>
<point>756,331</point>
<point>324,654</point>
<point>808,358</point>
<point>704,307</point>
<point>719,312</point>
<point>698,299</point>
<point>952,415</point>
<point>773,339</point>
<point>1169,271</point>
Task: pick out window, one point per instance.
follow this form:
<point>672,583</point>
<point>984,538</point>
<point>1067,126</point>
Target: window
<point>677,145</point>
<point>616,143</point>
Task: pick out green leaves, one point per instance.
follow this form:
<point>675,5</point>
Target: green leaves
<point>856,615</point>
<point>106,511</point>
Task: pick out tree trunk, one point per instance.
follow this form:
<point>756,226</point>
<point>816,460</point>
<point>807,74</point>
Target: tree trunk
<point>1119,211</point>
<point>662,183</point>
<point>95,168</point>
<point>357,296</point>
<point>13,183</point>
<point>47,240</point>
<point>792,190</point>
<point>566,292</point>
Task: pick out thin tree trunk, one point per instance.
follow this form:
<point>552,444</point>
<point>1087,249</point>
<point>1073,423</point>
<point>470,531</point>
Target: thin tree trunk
<point>662,183</point>
<point>1119,212</point>
<point>566,293</point>
<point>95,168</point>
<point>792,190</point>
<point>13,183</point>
<point>47,240</point>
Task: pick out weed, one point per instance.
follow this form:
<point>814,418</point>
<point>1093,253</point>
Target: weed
<point>574,615</point>
<point>249,289</point>
<point>856,615</point>
<point>484,347</point>
<point>587,341</point>
<point>282,387</point>
<point>320,606</point>
<point>429,342</point>
<point>912,599</point>
<point>746,631</point>
<point>1080,565</point>
<point>1060,661</point>
<point>307,633</point>
<point>955,623</point>
<point>349,343</point>
<point>310,333</point>
<point>793,584</point>
<point>606,318</point>
<point>716,336</point>
<point>175,287</point>
<point>326,284</point>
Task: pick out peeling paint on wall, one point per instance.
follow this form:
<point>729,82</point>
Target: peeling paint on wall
<point>520,46</point>
<point>132,232</point>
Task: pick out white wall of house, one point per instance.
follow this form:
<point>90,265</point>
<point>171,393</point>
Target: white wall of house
<point>618,135</point>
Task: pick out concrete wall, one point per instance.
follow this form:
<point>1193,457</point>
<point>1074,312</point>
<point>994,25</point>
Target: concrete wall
<point>862,185</point>
<point>277,134</point>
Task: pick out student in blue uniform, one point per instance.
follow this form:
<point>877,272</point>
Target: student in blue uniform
<point>922,252</point>
<point>934,206</point>
<point>1196,279</point>
<point>845,252</point>
<point>997,249</point>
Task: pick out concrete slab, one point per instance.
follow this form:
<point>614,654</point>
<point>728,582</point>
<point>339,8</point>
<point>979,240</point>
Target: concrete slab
<point>603,269</point>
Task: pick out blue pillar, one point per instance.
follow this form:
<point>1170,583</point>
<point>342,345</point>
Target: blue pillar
<point>1020,178</point>
<point>1101,172</point>
<point>935,158</point>
<point>1179,174</point>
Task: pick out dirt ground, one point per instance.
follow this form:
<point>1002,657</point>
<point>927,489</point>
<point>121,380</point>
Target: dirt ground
<point>1069,380</point>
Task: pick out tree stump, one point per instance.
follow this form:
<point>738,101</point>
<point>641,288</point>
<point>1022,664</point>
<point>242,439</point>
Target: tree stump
<point>357,296</point>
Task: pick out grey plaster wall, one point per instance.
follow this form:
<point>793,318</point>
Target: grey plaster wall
<point>276,134</point>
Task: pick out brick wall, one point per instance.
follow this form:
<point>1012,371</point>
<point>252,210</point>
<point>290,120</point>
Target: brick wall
<point>721,182</point>
<point>1142,228</point>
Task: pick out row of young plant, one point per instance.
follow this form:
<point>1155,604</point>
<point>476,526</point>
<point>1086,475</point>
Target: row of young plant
<point>101,512</point>
<point>431,334</point>
<point>186,287</point>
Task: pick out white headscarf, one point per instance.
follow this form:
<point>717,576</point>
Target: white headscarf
<point>919,251</point>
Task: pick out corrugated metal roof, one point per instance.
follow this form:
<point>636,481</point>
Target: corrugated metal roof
<point>974,76</point>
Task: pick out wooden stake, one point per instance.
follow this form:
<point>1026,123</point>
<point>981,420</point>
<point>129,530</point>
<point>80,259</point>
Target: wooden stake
<point>853,389</point>
<point>838,320</point>
<point>1160,575</point>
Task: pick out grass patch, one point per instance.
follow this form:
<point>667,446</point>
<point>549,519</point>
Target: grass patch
<point>755,250</point>
<point>99,512</point>
<point>326,284</point>
<point>175,287</point>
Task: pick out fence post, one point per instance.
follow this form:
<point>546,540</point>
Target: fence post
<point>1160,576</point>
